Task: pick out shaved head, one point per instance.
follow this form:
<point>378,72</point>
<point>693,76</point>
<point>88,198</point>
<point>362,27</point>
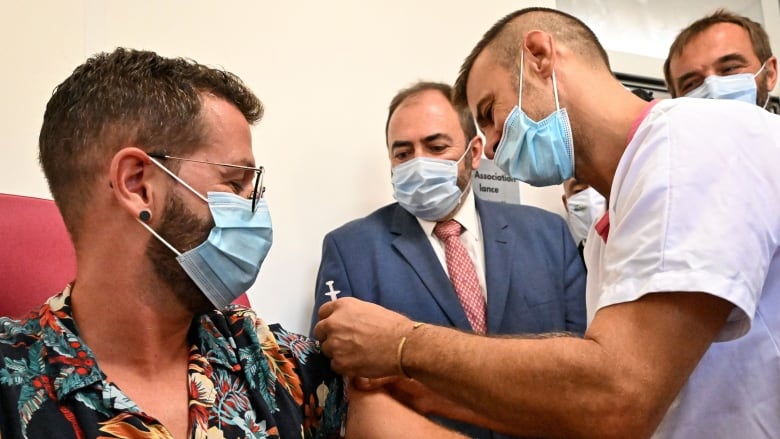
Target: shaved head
<point>505,38</point>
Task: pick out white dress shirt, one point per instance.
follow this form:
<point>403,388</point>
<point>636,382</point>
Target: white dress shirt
<point>471,238</point>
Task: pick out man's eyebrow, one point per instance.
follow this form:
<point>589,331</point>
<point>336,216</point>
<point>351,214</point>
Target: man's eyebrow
<point>436,136</point>
<point>732,57</point>
<point>248,163</point>
<point>401,144</point>
<point>729,57</point>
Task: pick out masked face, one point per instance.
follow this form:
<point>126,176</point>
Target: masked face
<point>430,188</point>
<point>227,263</point>
<point>738,87</point>
<point>538,153</point>
<point>583,209</point>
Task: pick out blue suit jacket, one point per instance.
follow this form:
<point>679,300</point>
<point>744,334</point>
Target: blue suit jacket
<point>534,274</point>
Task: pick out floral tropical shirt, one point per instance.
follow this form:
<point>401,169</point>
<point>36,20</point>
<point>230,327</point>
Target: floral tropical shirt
<point>246,380</point>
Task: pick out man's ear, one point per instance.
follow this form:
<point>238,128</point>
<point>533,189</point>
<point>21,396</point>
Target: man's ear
<point>539,52</point>
<point>131,172</point>
<point>771,73</point>
<point>476,146</point>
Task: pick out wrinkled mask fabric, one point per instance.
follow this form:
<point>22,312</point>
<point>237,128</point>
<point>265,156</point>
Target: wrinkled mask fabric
<point>739,87</point>
<point>226,265</point>
<point>538,153</point>
<point>428,187</point>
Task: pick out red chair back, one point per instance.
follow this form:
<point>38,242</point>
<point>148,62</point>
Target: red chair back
<point>37,258</point>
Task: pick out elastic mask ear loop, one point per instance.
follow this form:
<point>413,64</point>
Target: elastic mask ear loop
<point>558,109</point>
<point>468,147</point>
<point>766,102</point>
<point>520,86</point>
<point>471,177</point>
<point>555,91</point>
<point>761,69</point>
<point>176,177</point>
<point>520,91</point>
<point>159,238</point>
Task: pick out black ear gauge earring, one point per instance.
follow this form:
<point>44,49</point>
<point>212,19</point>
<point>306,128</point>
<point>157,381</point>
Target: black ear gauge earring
<point>145,216</point>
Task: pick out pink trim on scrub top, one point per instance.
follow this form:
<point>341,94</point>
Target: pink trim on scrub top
<point>602,226</point>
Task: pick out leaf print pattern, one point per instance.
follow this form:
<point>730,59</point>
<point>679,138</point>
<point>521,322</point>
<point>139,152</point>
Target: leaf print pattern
<point>280,365</point>
<point>123,426</point>
<point>246,380</point>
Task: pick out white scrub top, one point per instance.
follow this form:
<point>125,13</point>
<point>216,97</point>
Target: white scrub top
<point>695,206</point>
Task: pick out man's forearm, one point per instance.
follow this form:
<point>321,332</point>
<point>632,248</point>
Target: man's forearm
<point>618,381</point>
<point>551,398</point>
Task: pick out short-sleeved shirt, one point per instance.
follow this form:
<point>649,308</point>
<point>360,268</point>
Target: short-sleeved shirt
<point>695,207</point>
<point>246,380</point>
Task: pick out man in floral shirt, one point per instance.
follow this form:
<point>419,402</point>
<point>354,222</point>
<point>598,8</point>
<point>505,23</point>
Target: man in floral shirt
<point>150,162</point>
<point>235,390</point>
<point>132,348</point>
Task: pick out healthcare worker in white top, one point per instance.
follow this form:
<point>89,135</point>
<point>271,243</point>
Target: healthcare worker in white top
<point>691,261</point>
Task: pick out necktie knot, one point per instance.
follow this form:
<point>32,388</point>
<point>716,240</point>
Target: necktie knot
<point>447,229</point>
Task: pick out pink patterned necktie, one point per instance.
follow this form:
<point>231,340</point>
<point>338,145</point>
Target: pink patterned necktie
<point>462,274</point>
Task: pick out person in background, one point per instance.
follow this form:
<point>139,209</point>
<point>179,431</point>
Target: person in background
<point>722,56</point>
<point>526,276</point>
<point>150,162</point>
<point>584,206</point>
<point>683,291</point>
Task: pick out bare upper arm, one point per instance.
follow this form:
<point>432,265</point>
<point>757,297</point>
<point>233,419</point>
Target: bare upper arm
<point>377,415</point>
<point>656,342</point>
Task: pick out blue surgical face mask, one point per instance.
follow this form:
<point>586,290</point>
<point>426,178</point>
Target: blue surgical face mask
<point>538,153</point>
<point>228,262</point>
<point>427,187</point>
<point>739,87</point>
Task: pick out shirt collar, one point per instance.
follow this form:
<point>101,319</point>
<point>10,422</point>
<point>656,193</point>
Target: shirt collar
<point>213,336</point>
<point>73,366</point>
<point>67,359</point>
<point>602,227</point>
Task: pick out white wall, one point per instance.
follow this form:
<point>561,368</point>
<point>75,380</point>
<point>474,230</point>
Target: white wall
<point>325,71</point>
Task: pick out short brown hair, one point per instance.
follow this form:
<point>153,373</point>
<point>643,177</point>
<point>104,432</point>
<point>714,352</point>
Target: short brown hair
<point>464,115</point>
<point>505,36</point>
<point>758,38</point>
<point>127,97</point>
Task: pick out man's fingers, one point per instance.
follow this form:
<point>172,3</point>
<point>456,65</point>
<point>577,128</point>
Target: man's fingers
<point>321,329</point>
<point>326,309</point>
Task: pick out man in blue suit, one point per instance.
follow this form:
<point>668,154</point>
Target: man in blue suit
<point>529,271</point>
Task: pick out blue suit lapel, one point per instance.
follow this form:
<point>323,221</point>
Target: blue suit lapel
<point>499,245</point>
<point>416,249</point>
